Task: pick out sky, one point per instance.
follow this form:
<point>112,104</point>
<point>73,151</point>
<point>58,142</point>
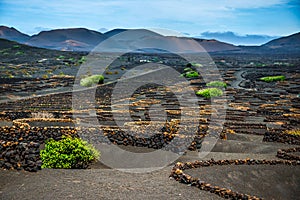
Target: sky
<point>191,17</point>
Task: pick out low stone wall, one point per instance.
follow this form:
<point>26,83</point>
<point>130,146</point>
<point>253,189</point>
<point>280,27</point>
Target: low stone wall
<point>178,173</point>
<point>26,121</point>
<point>15,115</point>
<point>20,145</point>
<point>22,139</point>
<point>20,155</point>
<point>168,141</point>
<point>287,154</point>
<point>33,134</point>
<point>273,136</point>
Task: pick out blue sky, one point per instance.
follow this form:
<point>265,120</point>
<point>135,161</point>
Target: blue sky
<point>268,17</point>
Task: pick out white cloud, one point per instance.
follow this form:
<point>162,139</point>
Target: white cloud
<point>205,15</point>
<point>108,6</point>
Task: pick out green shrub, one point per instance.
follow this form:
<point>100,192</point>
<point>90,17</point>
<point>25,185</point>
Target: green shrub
<point>188,72</point>
<point>187,69</point>
<point>218,84</point>
<point>210,92</point>
<point>260,65</point>
<point>68,153</point>
<point>196,64</point>
<point>61,57</point>
<point>272,78</point>
<point>91,80</point>
<point>82,60</point>
<point>19,53</point>
<point>191,74</point>
<point>45,76</point>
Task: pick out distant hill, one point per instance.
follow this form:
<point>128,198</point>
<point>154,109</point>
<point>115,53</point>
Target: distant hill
<point>114,32</point>
<point>233,38</point>
<point>149,41</point>
<point>292,41</point>
<point>16,53</point>
<point>215,45</point>
<point>75,39</point>
<point>13,34</point>
<point>81,39</point>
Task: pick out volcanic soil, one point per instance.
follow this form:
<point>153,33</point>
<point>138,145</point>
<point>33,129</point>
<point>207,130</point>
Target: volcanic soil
<point>253,109</point>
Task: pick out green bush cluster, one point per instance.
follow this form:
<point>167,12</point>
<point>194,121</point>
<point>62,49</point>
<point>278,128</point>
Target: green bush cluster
<point>19,53</point>
<point>82,60</point>
<point>61,57</point>
<point>72,59</point>
<point>210,92</point>
<point>272,78</point>
<point>68,153</point>
<point>187,69</point>
<point>196,64</point>
<point>91,80</point>
<point>190,73</point>
<point>218,84</point>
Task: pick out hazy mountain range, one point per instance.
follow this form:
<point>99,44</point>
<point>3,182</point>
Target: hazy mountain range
<point>81,39</point>
<point>233,38</point>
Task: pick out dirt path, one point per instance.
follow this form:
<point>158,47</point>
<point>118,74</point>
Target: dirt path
<point>94,184</point>
<point>239,79</point>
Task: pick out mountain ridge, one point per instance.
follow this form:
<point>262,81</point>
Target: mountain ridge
<point>287,41</point>
<point>75,39</point>
<point>13,34</point>
<point>82,39</point>
<point>236,39</point>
